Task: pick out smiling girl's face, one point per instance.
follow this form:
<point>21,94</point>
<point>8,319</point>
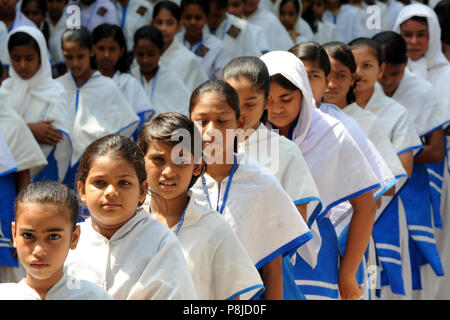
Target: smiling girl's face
<point>339,82</point>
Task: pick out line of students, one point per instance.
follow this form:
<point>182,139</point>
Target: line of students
<point>335,262</point>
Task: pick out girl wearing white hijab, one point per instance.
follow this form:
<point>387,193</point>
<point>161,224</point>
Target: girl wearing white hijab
<point>39,100</point>
<point>327,147</point>
<point>428,114</point>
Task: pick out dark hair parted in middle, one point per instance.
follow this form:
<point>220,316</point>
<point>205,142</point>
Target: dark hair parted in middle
<point>112,145</point>
<point>107,30</point>
<point>371,44</point>
<point>168,5</point>
<point>313,52</point>
<point>222,88</point>
<point>151,33</point>
<point>340,51</point>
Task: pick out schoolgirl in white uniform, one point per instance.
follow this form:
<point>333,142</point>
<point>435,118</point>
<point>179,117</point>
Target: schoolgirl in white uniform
<point>235,33</point>
<point>250,198</point>
<point>132,15</point>
<point>96,12</point>
<point>428,114</point>
<point>219,265</point>
<point>121,249</point>
<point>156,79</point>
<point>175,56</point>
<point>290,14</point>
<point>110,51</point>
<point>211,49</point>
<point>326,31</point>
<point>98,107</point>
<point>56,19</point>
<point>41,101</point>
<point>293,112</point>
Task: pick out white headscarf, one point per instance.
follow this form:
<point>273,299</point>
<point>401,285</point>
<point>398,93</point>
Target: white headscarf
<point>434,56</point>
<point>17,92</point>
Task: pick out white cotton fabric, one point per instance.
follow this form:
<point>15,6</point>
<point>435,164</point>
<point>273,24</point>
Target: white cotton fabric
<point>277,36</point>
<point>433,58</point>
<point>348,23</point>
<point>143,260</point>
<point>54,39</point>
<point>7,162</point>
<point>4,56</point>
<point>257,206</point>
<point>396,121</point>
<point>260,36</point>
<point>139,13</point>
<point>215,59</point>
<point>331,153</point>
<point>394,7</point>
<point>67,288</point>
<point>96,13</point>
<point>132,91</point>
<point>41,98</point>
<point>422,102</point>
<point>326,32</point>
<point>184,63</point>
<point>375,145</point>
<point>24,148</point>
<point>101,110</point>
<point>166,91</point>
<point>328,148</point>
<point>285,160</point>
<point>220,267</point>
<point>244,44</point>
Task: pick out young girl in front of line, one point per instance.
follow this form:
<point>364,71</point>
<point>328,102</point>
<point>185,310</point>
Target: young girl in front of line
<point>219,265</point>
<point>122,249</point>
<point>250,78</point>
<point>325,144</point>
<point>44,230</point>
<point>39,100</point>
<point>98,106</point>
<point>156,79</point>
<point>415,197</point>
<point>248,196</point>
<point>110,50</point>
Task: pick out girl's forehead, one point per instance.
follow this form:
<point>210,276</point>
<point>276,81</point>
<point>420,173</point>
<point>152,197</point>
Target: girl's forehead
<point>165,14</point>
<point>211,102</point>
<point>73,46</point>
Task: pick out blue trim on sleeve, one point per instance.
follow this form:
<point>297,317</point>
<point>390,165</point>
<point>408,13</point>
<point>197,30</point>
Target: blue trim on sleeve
<point>385,189</point>
<point>8,172</point>
<point>124,128</point>
<point>434,129</point>
<point>354,195</point>
<point>247,290</point>
<point>297,242</point>
<point>308,199</point>
<point>409,149</point>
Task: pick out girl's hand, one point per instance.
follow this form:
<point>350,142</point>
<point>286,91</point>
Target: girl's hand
<point>349,289</point>
<point>45,133</point>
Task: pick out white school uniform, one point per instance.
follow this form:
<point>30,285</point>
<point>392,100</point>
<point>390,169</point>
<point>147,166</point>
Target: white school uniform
<point>237,38</point>
<point>67,288</point>
<point>428,113</point>
<point>325,144</point>
<point>212,52</point>
<point>184,63</point>
<point>135,14</point>
<point>98,12</point>
<point>277,36</point>
<point>142,260</point>
<point>326,32</point>
<point>220,267</point>
<point>260,37</point>
<point>301,26</point>
<point>284,159</point>
<point>166,91</point>
<point>21,20</point>
<point>4,56</point>
<point>135,94</point>
<point>54,39</point>
<point>256,206</point>
<point>42,98</point>
<point>99,109</point>
<point>393,8</point>
<point>348,23</point>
